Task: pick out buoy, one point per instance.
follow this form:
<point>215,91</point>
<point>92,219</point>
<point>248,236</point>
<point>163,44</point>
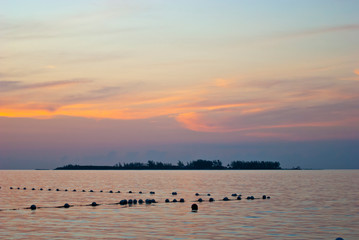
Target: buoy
<point>33,207</point>
<point>152,192</point>
<point>194,207</point>
<point>339,238</point>
<point>101,191</point>
<point>57,189</point>
<point>74,190</point>
<point>65,190</point>
<point>110,191</point>
<point>234,195</point>
<point>211,200</point>
<point>268,197</point>
<point>66,205</point>
<point>140,201</point>
<point>174,200</point>
<point>33,189</point>
<point>148,201</point>
<point>153,201</point>
<point>208,194</point>
<point>264,197</point>
<point>174,193</point>
<point>18,188</point>
<point>123,202</point>
<point>134,201</point>
<point>239,198</point>
<point>118,191</point>
<point>129,201</point>
<point>200,200</point>
<point>250,198</point>
<point>167,200</point>
<point>49,189</point>
<point>94,204</point>
<point>140,192</point>
<point>24,188</point>
<point>83,190</point>
<point>40,189</point>
<point>181,200</point>
<point>11,188</point>
<point>129,191</point>
<point>197,194</point>
<point>91,190</point>
<point>225,199</point>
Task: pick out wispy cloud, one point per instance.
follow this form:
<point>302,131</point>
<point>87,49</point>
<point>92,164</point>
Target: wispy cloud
<point>321,30</point>
<point>247,106</point>
<point>7,86</point>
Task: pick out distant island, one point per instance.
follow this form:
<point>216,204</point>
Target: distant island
<point>199,164</point>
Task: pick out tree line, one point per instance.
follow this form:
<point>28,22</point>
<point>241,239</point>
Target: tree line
<point>199,164</point>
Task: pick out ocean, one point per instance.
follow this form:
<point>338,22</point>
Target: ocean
<point>303,204</point>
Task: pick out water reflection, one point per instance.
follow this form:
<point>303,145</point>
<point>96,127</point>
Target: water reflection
<point>304,204</point>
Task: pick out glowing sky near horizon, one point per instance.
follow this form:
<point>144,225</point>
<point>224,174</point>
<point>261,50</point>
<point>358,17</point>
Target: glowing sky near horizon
<point>218,72</point>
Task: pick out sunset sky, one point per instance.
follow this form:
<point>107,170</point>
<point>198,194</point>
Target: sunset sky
<point>102,82</point>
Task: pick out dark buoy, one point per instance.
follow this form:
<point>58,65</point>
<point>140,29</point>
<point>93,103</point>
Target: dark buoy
<point>83,190</point>
<point>225,199</point>
<point>33,189</point>
<point>152,192</point>
<point>264,197</point>
<point>40,189</point>
<point>174,200</point>
<point>129,191</point>
<point>167,200</point>
<point>140,192</point>
<point>239,198</point>
<point>91,190</point>
<point>129,201</point>
<point>140,201</point>
<point>101,190</point>
<point>339,238</point>
<point>18,188</point>
<point>110,191</point>
<point>49,189</point>
<point>24,188</point>
<point>153,201</point>
<point>74,190</point>
<point>33,207</point>
<point>123,202</point>
<point>148,201</point>
<point>250,198</point>
<point>65,190</point>
<point>11,188</point>
<point>174,193</point>
<point>134,201</point>
<point>194,207</point>
<point>118,191</point>
<point>94,204</point>
<point>211,200</point>
<point>234,195</point>
<point>200,200</point>
<point>181,200</point>
<point>66,205</point>
<point>208,194</point>
<point>57,189</point>
<point>268,197</point>
<point>197,194</point>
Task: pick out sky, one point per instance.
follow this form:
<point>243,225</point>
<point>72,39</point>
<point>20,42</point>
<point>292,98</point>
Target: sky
<point>101,82</point>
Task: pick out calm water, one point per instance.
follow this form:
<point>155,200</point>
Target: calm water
<point>304,205</point>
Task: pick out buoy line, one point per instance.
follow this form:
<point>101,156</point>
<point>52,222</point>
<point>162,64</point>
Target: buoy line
<point>132,202</point>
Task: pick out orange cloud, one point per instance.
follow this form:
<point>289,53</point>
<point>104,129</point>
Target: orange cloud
<point>194,122</point>
<point>222,83</point>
